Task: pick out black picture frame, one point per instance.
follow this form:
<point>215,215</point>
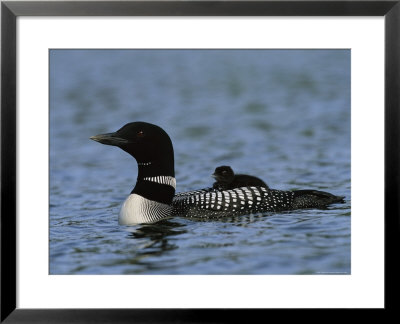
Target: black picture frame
<point>10,10</point>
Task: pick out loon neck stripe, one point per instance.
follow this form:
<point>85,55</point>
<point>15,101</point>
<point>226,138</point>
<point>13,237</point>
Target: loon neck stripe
<point>144,163</point>
<point>167,180</point>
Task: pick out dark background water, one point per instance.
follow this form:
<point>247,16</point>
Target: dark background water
<point>282,115</point>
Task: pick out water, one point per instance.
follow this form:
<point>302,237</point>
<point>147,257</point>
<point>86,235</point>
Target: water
<point>282,115</point>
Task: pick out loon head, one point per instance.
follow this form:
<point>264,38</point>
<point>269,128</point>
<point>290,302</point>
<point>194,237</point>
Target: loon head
<point>149,144</point>
<point>224,174</point>
<point>152,148</point>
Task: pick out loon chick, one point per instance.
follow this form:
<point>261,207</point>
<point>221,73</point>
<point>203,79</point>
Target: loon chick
<point>227,179</point>
<point>153,197</point>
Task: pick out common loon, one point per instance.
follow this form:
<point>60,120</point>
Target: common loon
<point>227,179</point>
<point>153,197</point>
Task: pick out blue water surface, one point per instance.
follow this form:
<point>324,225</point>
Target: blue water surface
<point>282,115</point>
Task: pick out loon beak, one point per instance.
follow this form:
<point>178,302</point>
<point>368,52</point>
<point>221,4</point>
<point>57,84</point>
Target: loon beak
<point>214,176</point>
<point>109,139</point>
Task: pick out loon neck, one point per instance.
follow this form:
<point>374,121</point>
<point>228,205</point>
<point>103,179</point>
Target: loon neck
<point>155,168</point>
<point>156,181</point>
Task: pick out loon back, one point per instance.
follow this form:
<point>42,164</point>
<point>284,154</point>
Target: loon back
<point>314,199</point>
<point>153,197</point>
<point>211,202</point>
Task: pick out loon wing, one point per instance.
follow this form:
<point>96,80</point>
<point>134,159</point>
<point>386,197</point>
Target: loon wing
<point>243,200</point>
<point>314,199</point>
<point>211,202</point>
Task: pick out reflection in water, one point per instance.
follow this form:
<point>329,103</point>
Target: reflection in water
<point>154,241</point>
<point>157,231</point>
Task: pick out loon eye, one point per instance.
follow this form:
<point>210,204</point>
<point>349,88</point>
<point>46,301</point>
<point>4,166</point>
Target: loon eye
<point>224,172</point>
<point>140,133</point>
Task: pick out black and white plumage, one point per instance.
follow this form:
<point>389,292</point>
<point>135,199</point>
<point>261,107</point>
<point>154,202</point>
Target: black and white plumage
<point>137,209</point>
<point>227,179</point>
<point>153,197</point>
<point>232,202</point>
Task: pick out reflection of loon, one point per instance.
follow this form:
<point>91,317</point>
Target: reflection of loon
<point>153,197</point>
<point>227,179</point>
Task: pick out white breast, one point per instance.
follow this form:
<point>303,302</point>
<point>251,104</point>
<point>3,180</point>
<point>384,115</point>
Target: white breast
<point>137,210</point>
